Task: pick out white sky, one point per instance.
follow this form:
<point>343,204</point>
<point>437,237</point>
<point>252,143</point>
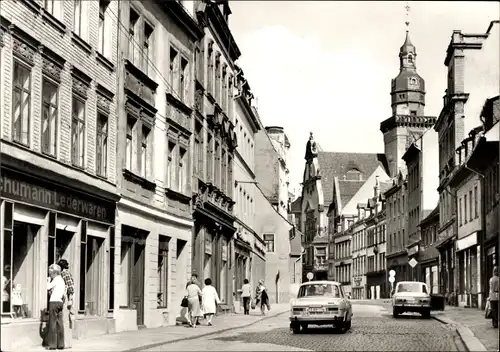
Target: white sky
<point>326,67</point>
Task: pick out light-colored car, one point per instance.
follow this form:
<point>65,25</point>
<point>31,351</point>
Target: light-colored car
<point>320,303</point>
<point>411,296</point>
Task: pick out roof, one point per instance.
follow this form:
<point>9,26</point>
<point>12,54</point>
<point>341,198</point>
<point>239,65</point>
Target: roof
<point>432,215</point>
<point>296,206</point>
<point>335,164</point>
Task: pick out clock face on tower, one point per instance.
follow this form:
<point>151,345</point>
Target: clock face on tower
<point>413,81</point>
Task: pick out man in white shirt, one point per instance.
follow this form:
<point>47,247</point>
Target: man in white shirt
<point>57,291</point>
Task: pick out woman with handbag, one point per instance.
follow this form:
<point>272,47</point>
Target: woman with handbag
<point>262,297</point>
<point>194,303</point>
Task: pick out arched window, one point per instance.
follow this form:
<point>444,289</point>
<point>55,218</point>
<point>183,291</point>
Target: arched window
<point>410,59</point>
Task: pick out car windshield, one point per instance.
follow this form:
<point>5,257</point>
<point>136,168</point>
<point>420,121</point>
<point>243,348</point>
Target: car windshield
<point>411,287</point>
<point>319,290</point>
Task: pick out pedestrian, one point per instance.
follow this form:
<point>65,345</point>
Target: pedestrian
<point>210,300</point>
<point>57,290</point>
<point>494,297</point>
<point>194,278</point>
<point>68,313</point>
<point>194,303</point>
<point>262,297</point>
<point>246,295</point>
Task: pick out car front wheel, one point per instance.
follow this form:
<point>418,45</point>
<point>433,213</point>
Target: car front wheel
<point>395,312</point>
<point>295,328</point>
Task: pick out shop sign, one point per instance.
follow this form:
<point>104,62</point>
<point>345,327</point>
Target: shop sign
<point>25,189</point>
<point>208,244</point>
<point>466,242</point>
<point>224,250</point>
<point>413,250</point>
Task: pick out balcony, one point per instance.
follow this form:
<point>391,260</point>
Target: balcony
<point>209,196</point>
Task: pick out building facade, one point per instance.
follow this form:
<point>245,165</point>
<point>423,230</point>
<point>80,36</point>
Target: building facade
<point>155,116</point>
<point>428,254</point>
<point>271,219</point>
<point>376,233</point>
<point>58,162</point>
<point>467,188</point>
<point>450,128</point>
<point>250,246</point>
<point>396,221</point>
<point>358,243</point>
<point>343,258</point>
<point>484,161</point>
<point>214,241</point>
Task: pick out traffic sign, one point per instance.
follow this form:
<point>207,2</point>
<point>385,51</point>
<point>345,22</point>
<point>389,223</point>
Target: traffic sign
<point>392,279</point>
<point>413,263</point>
<point>392,273</point>
<point>310,276</point>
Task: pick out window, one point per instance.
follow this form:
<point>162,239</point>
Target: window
<point>144,166</point>
<point>470,206</point>
<point>133,37</point>
<point>21,105</point>
<point>102,144</point>
<point>210,68</point>
<point>210,158</point>
<point>21,243</point>
<point>217,164</point>
<point>269,241</point>
<point>146,53</point>
<point>77,17</point>
<point>49,117</point>
<point>476,208</point>
<point>199,65</point>
<point>103,5</point>
<point>413,113</point>
<point>410,61</point>
<point>49,6</point>
<point>223,171</point>
<point>371,264</point>
<point>224,89</point>
<point>321,255</point>
<point>217,77</point>
<point>230,97</point>
<point>465,209</point>
<point>184,81</point>
<point>199,151</point>
<point>78,133</point>
<point>171,177</point>
<point>129,147</point>
<point>162,293</point>
<point>183,169</point>
<point>230,177</point>
<point>173,70</point>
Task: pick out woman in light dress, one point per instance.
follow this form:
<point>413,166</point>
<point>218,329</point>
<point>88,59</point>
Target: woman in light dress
<point>210,300</point>
<point>194,310</point>
<point>262,297</point>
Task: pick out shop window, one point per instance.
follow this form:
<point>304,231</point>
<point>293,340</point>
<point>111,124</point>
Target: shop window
<point>321,255</point>
<point>207,268</point>
<point>162,293</point>
<point>269,241</point>
<point>78,133</point>
<point>20,263</point>
<point>49,117</point>
<point>21,104</point>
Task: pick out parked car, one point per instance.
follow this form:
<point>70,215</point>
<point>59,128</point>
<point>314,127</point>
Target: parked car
<point>411,296</point>
<point>320,303</point>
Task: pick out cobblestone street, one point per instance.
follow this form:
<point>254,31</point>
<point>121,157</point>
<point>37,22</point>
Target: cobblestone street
<point>373,329</point>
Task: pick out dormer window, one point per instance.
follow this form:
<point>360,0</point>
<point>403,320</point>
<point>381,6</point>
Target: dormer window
<point>354,175</point>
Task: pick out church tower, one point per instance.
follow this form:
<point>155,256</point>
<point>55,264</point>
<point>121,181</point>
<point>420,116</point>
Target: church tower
<point>408,121</point>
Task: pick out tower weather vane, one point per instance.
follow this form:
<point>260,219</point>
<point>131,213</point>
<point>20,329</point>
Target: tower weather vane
<point>407,22</point>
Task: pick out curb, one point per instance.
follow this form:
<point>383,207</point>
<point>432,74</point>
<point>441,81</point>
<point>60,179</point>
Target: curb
<point>215,332</point>
<point>470,341</point>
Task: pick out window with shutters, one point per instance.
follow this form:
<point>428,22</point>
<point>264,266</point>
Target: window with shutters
<point>133,30</point>
<point>102,46</point>
<point>199,150</point>
<point>173,73</point>
<point>217,164</point>
<point>230,97</point>
<point>21,104</point>
<point>183,169</point>
<point>102,144</point>
<point>224,88</point>
<point>229,176</point>
<point>147,57</point>
<point>78,133</point>
<point>223,185</point>
<point>129,145</point>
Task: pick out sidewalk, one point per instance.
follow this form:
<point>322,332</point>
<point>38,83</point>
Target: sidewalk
<point>148,338</point>
<point>476,332</point>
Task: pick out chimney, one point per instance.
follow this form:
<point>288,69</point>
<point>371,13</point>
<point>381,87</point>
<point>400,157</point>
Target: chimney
<point>377,188</point>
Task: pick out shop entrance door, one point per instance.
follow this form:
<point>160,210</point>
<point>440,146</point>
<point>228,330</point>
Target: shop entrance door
<point>137,281</point>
